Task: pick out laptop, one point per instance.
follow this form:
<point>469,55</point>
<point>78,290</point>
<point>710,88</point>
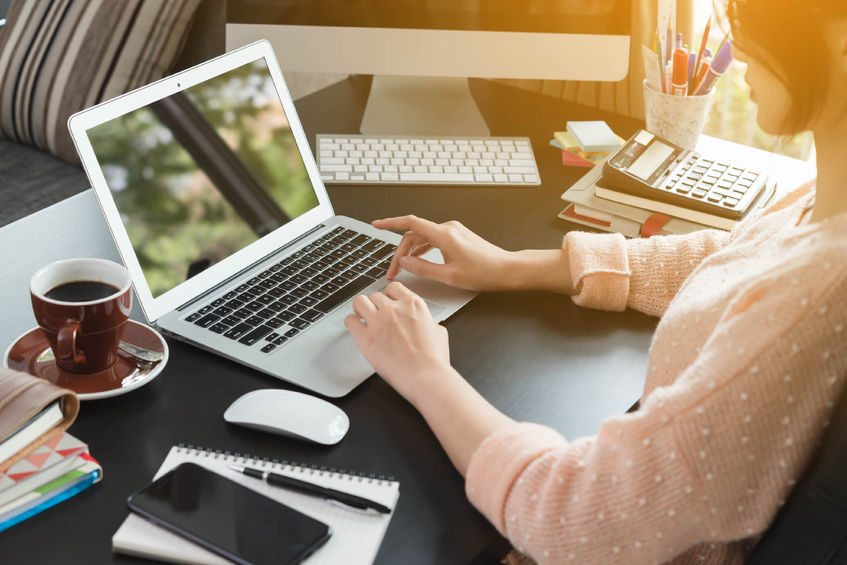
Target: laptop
<point>217,207</point>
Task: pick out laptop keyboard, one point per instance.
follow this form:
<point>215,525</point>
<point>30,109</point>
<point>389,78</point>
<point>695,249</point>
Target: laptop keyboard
<point>285,299</point>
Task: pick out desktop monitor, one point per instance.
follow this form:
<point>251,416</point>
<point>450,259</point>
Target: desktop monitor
<point>421,52</point>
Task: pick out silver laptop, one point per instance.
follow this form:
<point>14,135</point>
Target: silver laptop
<point>217,207</point>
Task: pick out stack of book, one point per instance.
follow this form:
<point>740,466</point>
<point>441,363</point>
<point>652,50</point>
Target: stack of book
<point>592,203</point>
<point>40,464</point>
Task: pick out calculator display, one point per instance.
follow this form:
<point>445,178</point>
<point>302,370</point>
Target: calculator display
<point>646,158</point>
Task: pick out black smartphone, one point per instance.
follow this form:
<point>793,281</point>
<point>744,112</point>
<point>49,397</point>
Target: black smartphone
<point>228,518</point>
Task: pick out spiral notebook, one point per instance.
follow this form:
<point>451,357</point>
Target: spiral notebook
<point>355,539</point>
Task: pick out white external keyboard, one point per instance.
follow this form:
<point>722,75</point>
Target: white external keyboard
<point>359,159</point>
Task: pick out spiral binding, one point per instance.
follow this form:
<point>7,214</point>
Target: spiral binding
<point>317,470</point>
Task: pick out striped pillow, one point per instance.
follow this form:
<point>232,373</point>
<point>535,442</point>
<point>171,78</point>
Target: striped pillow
<point>58,57</point>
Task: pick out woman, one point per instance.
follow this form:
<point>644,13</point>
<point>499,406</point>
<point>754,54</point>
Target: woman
<point>746,363</point>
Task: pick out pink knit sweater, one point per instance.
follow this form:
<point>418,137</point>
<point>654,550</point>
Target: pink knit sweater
<point>746,363</point>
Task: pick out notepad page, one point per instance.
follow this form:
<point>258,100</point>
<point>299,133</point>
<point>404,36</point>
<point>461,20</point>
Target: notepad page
<point>356,536</point>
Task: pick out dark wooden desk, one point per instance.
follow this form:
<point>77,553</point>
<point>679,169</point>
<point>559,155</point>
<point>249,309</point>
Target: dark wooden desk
<point>536,357</point>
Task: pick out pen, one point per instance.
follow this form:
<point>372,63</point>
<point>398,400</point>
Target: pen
<point>719,66</point>
<point>705,65</point>
<point>680,69</point>
<point>330,495</point>
<point>692,68</point>
<point>702,47</point>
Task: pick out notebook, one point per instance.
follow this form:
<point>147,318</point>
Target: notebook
<point>356,536</point>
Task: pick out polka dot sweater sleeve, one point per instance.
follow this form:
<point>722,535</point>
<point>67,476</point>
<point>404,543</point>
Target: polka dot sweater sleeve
<point>706,460</point>
<point>610,272</point>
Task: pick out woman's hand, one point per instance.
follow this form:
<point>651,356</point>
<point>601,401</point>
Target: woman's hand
<point>397,335</point>
<point>470,262</point>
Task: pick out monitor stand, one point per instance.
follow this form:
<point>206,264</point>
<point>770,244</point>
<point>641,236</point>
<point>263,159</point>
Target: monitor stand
<point>436,106</point>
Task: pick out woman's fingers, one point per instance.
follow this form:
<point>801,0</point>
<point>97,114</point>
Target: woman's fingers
<point>419,250</point>
<point>424,268</point>
<point>398,291</point>
<point>429,230</point>
<point>363,307</point>
<point>380,300</point>
<point>409,241</point>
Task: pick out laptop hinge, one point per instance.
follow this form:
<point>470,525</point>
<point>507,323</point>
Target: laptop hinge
<point>240,273</point>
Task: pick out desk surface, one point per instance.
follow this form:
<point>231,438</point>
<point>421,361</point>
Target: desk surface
<point>535,356</point>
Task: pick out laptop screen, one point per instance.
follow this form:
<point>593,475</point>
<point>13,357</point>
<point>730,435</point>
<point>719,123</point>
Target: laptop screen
<point>203,173</point>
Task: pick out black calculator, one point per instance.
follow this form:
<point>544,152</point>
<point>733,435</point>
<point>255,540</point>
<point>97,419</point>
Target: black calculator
<point>651,167</point>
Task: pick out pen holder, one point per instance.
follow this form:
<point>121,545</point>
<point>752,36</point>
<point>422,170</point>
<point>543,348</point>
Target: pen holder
<point>679,119</point>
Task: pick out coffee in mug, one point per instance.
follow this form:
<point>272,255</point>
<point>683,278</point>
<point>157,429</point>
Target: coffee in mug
<point>82,305</point>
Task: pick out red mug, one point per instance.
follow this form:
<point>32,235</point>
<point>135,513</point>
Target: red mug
<point>81,306</point>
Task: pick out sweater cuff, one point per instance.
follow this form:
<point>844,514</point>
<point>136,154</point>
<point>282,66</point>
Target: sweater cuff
<point>499,460</point>
<point>599,265</point>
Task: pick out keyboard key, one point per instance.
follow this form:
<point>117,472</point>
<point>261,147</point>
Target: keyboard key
<point>242,313</point>
<point>254,321</point>
<point>272,337</point>
<point>360,239</point>
<point>218,302</point>
<point>297,308</point>
<point>292,332</point>
<point>343,293</point>
<point>234,304</point>
<point>194,317</point>
<point>299,323</point>
<point>207,320</point>
<point>255,306</point>
<point>255,335</point>
<point>218,328</point>
<point>222,311</point>
<point>299,292</point>
<point>230,295</point>
<point>308,301</point>
<point>231,321</point>
<point>286,316</point>
<point>267,313</point>
<point>268,348</point>
<point>383,251</point>
<point>280,340</point>
<point>376,272</point>
<point>311,315</point>
<point>319,294</point>
<point>205,310</point>
<point>275,323</point>
<point>238,331</point>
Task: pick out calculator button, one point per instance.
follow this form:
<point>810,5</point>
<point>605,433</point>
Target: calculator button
<point>729,202</point>
<point>714,197</point>
<point>736,171</point>
<point>725,184</point>
<point>683,189</point>
<point>699,193</point>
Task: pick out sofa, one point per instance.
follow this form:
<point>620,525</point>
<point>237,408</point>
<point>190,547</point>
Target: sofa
<point>31,179</point>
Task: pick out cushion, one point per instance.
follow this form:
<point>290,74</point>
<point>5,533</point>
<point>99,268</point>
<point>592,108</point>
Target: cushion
<point>31,180</point>
<point>60,57</point>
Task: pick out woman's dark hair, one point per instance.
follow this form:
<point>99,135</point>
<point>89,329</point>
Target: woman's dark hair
<point>788,37</point>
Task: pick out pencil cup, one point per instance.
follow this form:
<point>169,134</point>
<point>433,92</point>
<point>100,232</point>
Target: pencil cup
<point>679,119</point>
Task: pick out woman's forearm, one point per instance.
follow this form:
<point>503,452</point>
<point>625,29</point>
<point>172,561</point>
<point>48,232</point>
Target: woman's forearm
<point>460,418</point>
<point>533,269</point>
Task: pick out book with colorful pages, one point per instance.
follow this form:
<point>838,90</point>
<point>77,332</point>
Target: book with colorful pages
<point>52,493</point>
<point>53,459</point>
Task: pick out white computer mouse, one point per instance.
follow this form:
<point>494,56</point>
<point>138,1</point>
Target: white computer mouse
<point>289,413</point>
